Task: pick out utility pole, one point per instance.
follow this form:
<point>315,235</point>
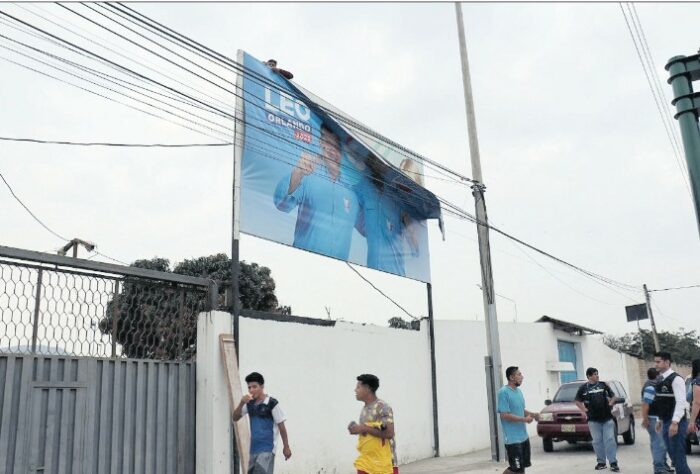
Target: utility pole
<point>683,70</point>
<point>657,348</point>
<point>493,360</point>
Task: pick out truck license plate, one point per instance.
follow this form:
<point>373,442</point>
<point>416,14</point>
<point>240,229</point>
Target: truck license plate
<point>568,428</point>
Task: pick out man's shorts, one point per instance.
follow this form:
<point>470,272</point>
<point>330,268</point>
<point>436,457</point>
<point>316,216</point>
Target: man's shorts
<point>261,463</point>
<point>396,471</point>
<point>518,456</point>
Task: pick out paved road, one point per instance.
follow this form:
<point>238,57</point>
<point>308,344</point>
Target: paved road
<point>566,458</point>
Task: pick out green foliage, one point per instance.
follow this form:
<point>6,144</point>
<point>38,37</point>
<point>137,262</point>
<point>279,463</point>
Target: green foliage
<point>159,320</point>
<point>683,345</point>
<point>255,283</point>
<point>400,323</point>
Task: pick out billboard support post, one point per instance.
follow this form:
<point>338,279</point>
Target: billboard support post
<point>682,72</point>
<point>235,232</point>
<point>433,371</point>
<point>489,294</point>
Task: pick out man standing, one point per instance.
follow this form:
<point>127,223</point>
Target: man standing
<point>670,406</point>
<point>266,422</point>
<point>652,423</point>
<point>595,399</point>
<point>511,407</point>
<point>375,430</point>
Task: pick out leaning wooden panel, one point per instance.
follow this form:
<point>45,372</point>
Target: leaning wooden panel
<point>235,393</point>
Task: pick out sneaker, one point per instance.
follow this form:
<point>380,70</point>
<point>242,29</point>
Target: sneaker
<point>600,466</point>
<point>669,469</point>
<point>614,467</point>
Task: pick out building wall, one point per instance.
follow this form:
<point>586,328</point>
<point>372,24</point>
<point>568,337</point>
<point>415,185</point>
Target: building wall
<point>311,369</point>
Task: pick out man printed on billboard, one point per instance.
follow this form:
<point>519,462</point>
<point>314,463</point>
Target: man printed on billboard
<point>384,224</point>
<point>322,190</point>
<point>383,220</point>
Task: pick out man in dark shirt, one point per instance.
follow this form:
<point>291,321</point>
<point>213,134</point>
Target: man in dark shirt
<point>596,399</point>
<point>652,423</point>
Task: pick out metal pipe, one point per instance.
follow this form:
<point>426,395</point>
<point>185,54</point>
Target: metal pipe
<point>433,371</point>
<point>37,309</point>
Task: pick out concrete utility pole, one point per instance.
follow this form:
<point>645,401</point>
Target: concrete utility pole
<point>657,348</point>
<point>493,360</point>
<point>683,71</point>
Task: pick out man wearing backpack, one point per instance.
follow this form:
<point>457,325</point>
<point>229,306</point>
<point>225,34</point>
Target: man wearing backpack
<point>670,405</point>
<point>652,423</point>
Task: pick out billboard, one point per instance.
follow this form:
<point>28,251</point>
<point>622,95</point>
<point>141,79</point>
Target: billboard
<point>314,180</point>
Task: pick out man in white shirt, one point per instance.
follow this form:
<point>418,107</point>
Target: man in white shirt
<point>671,404</point>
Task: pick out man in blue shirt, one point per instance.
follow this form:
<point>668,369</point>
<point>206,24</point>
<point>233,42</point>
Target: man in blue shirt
<point>266,423</point>
<point>321,187</point>
<point>383,222</point>
<point>511,407</point>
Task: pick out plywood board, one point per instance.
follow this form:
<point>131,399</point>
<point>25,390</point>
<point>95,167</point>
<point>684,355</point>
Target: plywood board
<point>235,393</point>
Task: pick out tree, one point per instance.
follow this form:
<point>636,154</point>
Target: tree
<point>159,319</point>
<point>683,345</point>
<point>400,323</point>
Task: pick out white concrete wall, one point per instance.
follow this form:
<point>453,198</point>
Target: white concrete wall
<point>311,370</point>
<point>213,449</point>
<point>460,349</point>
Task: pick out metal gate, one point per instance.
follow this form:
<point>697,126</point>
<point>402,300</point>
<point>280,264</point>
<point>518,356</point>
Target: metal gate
<point>83,415</point>
<point>64,406</point>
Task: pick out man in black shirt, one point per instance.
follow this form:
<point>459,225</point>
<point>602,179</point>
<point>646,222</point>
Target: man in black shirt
<point>596,399</point>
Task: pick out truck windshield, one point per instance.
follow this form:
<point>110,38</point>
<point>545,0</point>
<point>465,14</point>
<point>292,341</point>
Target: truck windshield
<point>567,393</point>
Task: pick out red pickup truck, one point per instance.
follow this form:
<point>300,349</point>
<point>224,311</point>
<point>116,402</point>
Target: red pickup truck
<point>561,419</point>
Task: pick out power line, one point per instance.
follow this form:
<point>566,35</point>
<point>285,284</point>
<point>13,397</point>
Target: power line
<point>114,80</point>
<point>44,225</point>
<point>29,210</point>
<point>106,97</point>
<point>654,87</point>
<point>142,77</point>
<point>136,145</point>
<point>677,288</point>
<point>210,54</point>
<point>380,291</point>
<point>667,316</point>
<point>110,258</point>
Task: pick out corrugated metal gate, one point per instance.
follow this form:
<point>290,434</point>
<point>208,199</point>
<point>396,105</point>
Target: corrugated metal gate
<point>68,408</point>
<point>85,416</point>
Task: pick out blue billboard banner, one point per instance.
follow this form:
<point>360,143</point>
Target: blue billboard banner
<point>316,182</point>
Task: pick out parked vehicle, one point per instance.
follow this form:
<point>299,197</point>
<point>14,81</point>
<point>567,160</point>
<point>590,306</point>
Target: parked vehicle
<point>561,419</point>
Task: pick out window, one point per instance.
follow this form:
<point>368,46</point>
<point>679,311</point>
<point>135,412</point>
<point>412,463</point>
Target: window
<point>567,393</point>
<point>621,390</point>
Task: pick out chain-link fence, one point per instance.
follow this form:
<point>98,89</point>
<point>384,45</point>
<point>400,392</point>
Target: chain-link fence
<point>97,310</point>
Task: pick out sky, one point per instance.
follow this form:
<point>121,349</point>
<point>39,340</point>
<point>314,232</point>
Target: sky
<point>574,154</point>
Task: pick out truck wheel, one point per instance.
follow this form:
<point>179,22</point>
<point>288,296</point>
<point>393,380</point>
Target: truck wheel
<point>629,436</point>
<point>547,445</point>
